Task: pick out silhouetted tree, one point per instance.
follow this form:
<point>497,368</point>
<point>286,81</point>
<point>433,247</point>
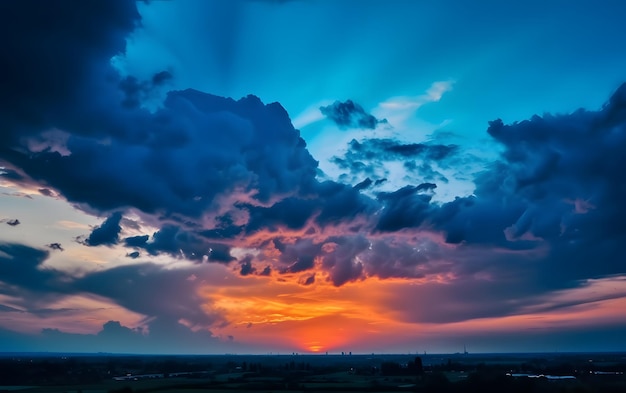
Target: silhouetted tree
<point>419,367</point>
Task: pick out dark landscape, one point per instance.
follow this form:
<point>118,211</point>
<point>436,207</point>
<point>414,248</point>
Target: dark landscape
<point>107,373</point>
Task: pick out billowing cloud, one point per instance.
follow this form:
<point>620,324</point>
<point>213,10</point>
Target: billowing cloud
<point>57,63</point>
<point>232,181</point>
<point>349,114</point>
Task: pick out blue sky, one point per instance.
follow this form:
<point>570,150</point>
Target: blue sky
<point>312,175</point>
<point>553,56</point>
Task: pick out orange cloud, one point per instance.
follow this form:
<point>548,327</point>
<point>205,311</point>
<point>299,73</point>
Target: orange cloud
<point>284,316</point>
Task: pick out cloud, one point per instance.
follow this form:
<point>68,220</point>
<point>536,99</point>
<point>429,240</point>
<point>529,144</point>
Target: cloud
<point>308,280</point>
<point>373,158</point>
<point>246,267</point>
<point>5,308</point>
<point>350,115</point>
<point>57,62</point>
<point>145,288</point>
<point>213,175</point>
<point>298,256</point>
<point>508,210</point>
<point>179,243</point>
<point>24,280</point>
<point>11,221</point>
<point>46,192</point>
<point>364,184</point>
<point>186,164</point>
<point>18,194</point>
<point>399,109</point>
<point>107,233</point>
<point>387,149</point>
<point>159,337</point>
<point>405,208</point>
<point>139,92</point>
<point>550,203</point>
<point>55,246</point>
<point>151,290</point>
<point>342,258</point>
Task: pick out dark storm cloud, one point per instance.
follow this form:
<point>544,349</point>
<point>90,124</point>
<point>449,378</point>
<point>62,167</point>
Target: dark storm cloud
<point>405,208</point>
<point>136,92</point>
<point>106,234</point>
<point>198,154</point>
<point>557,188</point>
<point>551,203</point>
<point>198,147</point>
<point>290,212</point>
<point>333,203</point>
<point>342,203</point>
<point>58,54</point>
<point>567,173</point>
<point>349,115</point>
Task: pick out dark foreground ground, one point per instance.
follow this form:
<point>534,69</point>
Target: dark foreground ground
<point>502,373</point>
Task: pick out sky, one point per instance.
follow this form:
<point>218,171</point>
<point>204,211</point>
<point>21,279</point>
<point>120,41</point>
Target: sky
<point>312,176</point>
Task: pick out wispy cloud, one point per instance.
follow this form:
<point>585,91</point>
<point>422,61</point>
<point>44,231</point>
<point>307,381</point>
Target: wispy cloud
<point>397,110</point>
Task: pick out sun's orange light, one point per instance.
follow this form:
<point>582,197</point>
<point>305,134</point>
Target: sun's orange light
<point>375,314</point>
<point>315,318</point>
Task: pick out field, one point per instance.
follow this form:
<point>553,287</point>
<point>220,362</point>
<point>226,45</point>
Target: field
<point>312,373</point>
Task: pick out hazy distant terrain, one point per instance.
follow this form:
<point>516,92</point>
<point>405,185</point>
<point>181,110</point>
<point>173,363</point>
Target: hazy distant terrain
<point>103,373</point>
